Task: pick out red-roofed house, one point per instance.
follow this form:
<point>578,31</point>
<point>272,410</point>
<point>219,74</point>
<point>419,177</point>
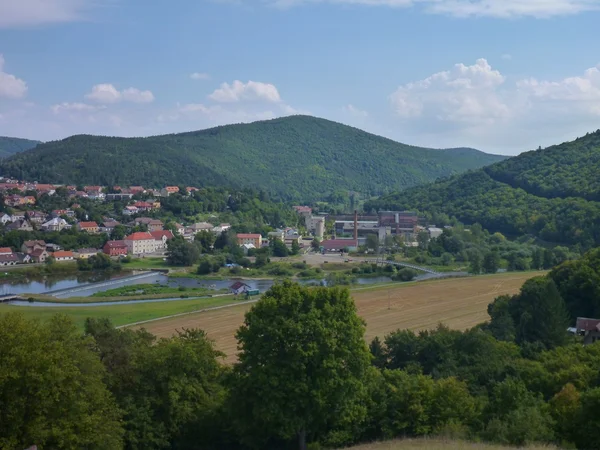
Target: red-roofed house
<point>39,255</point>
<point>303,210</point>
<point>168,190</point>
<point>92,188</point>
<point>6,251</point>
<point>140,242</point>
<point>115,248</point>
<point>9,260</point>
<point>63,255</point>
<point>88,227</point>
<point>589,329</point>
<point>161,237</point>
<point>29,200</point>
<point>336,245</point>
<point>143,206</point>
<point>246,238</point>
<point>136,189</point>
<point>30,246</point>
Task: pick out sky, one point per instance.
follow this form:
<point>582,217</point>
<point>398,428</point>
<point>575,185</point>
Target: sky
<point>503,76</point>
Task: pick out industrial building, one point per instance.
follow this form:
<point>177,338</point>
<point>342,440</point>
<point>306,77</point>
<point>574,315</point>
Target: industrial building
<point>386,223</point>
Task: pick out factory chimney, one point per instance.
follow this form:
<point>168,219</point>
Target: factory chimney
<point>356,225</point>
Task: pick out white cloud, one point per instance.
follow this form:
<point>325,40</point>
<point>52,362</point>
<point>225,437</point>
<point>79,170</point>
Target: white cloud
<point>107,93</point>
<point>200,76</point>
<point>18,13</point>
<point>354,111</point>
<point>250,91</point>
<point>76,107</point>
<point>11,86</point>
<point>467,94</point>
<point>470,8</point>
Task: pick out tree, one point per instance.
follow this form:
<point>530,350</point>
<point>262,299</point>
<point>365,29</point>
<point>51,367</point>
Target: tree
<point>181,253</point>
<point>50,260</point>
<point>295,247</point>
<point>548,261</point>
<point>278,248</point>
<point>206,240</point>
<point>372,242</point>
<point>537,258</point>
<point>53,394</point>
<point>476,263</point>
<point>315,244</point>
<point>118,233</point>
<point>308,375</point>
<point>491,262</point>
<point>423,239</point>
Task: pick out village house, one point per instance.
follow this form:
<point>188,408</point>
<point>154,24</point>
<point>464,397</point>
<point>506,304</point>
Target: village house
<point>190,190</point>
<point>589,329</point>
<point>130,210</point>
<point>168,190</point>
<point>88,227</point>
<point>108,226</point>
<point>17,215</point>
<point>92,188</point>
<point>56,224</point>
<point>36,216</point>
<point>19,225</point>
<point>30,246</point>
<point>14,200</point>
<point>29,200</point>
<point>239,288</point>
<point>140,243</point>
<point>115,248</point>
<point>86,253</point>
<point>5,219</point>
<point>155,225</point>
<point>249,238</point>
<point>144,206</point>
<point>136,190</point>
<point>63,212</point>
<point>179,229</point>
<point>5,251</point>
<point>50,247</point>
<point>39,255</point>
<point>9,260</point>
<point>161,237</point>
<point>119,196</point>
<point>63,255</point>
<point>96,195</point>
<point>221,228</point>
<point>277,234</point>
<point>24,258</point>
<point>200,226</point>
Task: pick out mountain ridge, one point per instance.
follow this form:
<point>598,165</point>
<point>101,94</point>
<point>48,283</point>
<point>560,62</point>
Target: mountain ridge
<point>295,157</point>
<point>11,145</point>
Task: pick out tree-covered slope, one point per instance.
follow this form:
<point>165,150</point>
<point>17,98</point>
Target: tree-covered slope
<point>9,145</point>
<point>298,157</point>
<point>543,193</point>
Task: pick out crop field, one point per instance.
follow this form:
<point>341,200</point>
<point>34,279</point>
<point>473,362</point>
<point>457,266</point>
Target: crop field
<point>459,303</point>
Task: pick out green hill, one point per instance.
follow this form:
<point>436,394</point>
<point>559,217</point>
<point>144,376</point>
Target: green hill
<point>547,193</point>
<point>298,157</point>
<point>9,145</point>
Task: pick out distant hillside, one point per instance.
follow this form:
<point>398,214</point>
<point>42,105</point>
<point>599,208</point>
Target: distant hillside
<point>547,193</point>
<point>9,145</point>
<point>298,157</point>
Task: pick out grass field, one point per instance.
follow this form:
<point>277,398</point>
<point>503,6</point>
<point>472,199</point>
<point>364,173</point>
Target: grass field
<point>437,444</point>
<point>120,314</point>
<point>146,263</point>
<point>460,303</point>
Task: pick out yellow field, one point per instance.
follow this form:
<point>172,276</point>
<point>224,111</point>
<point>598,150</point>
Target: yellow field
<point>459,303</point>
<point>437,444</point>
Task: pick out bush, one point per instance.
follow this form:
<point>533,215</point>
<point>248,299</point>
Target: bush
<point>406,274</point>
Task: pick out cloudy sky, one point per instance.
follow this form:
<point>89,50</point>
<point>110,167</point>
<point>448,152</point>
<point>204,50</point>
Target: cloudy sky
<point>503,76</point>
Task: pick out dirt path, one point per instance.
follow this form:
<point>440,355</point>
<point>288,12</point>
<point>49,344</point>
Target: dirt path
<point>459,303</point>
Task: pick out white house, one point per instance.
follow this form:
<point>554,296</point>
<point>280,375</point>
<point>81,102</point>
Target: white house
<point>5,219</point>
<point>56,224</point>
<point>63,255</point>
<point>140,242</point>
<point>239,288</point>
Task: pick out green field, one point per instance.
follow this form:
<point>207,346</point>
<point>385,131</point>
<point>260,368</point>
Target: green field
<point>155,289</point>
<point>146,263</point>
<point>121,314</point>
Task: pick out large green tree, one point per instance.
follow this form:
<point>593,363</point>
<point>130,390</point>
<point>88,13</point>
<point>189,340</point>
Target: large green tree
<point>301,366</point>
<point>51,388</point>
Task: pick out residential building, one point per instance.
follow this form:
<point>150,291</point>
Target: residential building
<point>155,225</point>
<point>13,200</point>
<point>29,200</point>
<point>305,211</point>
<point>63,212</point>
<point>434,232</point>
<point>39,255</point>
<point>5,219</point>
<point>130,210</point>
<point>88,227</point>
<point>24,258</point>
<point>19,225</point>
<point>18,215</point>
<point>119,196</point>
<point>56,224</point>
<point>247,247</point>
<point>168,190</point>
<point>92,188</point>
<point>249,238</point>
<point>239,288</point>
<point>140,243</point>
<point>143,221</point>
<point>136,190</point>
<point>589,329</point>
<point>30,246</point>
<point>63,255</point>
<point>144,206</point>
<point>201,226</point>
<point>9,260</point>
<point>179,229</point>
<point>115,248</point>
<point>85,253</point>
<point>96,195</point>
<point>316,225</point>
<point>161,237</point>
<point>36,217</point>
<point>5,251</point>
<point>53,247</point>
<point>108,226</point>
<point>278,234</point>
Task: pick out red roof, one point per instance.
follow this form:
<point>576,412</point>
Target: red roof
<point>237,285</point>
<point>248,236</point>
<point>38,252</point>
<point>63,254</point>
<point>139,236</point>
<point>4,250</point>
<point>158,235</point>
<point>88,225</point>
<point>142,205</point>
<point>584,324</point>
<point>172,188</point>
<point>116,244</point>
<point>32,243</point>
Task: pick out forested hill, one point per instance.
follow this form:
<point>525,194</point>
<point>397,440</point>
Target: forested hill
<point>298,157</point>
<point>544,193</point>
<point>9,145</point>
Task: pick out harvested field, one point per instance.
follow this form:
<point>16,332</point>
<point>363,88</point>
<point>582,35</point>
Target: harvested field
<point>459,303</point>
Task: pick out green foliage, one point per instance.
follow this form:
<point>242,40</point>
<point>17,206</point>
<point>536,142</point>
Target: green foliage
<point>9,146</point>
<point>99,261</point>
<point>278,248</point>
<point>52,390</point>
<point>308,158</point>
<point>309,374</point>
<point>552,194</point>
<point>181,253</point>
<point>405,274</point>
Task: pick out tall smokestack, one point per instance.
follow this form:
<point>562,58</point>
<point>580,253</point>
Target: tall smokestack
<point>355,225</point>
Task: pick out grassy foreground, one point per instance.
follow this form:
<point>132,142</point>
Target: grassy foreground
<point>438,444</point>
<point>121,314</point>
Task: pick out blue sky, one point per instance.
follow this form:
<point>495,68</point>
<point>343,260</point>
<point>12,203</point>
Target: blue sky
<point>503,76</point>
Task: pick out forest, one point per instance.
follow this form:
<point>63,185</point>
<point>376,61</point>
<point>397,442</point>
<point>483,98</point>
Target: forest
<point>518,379</point>
<point>9,145</point>
<point>548,194</point>
<point>292,158</point>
